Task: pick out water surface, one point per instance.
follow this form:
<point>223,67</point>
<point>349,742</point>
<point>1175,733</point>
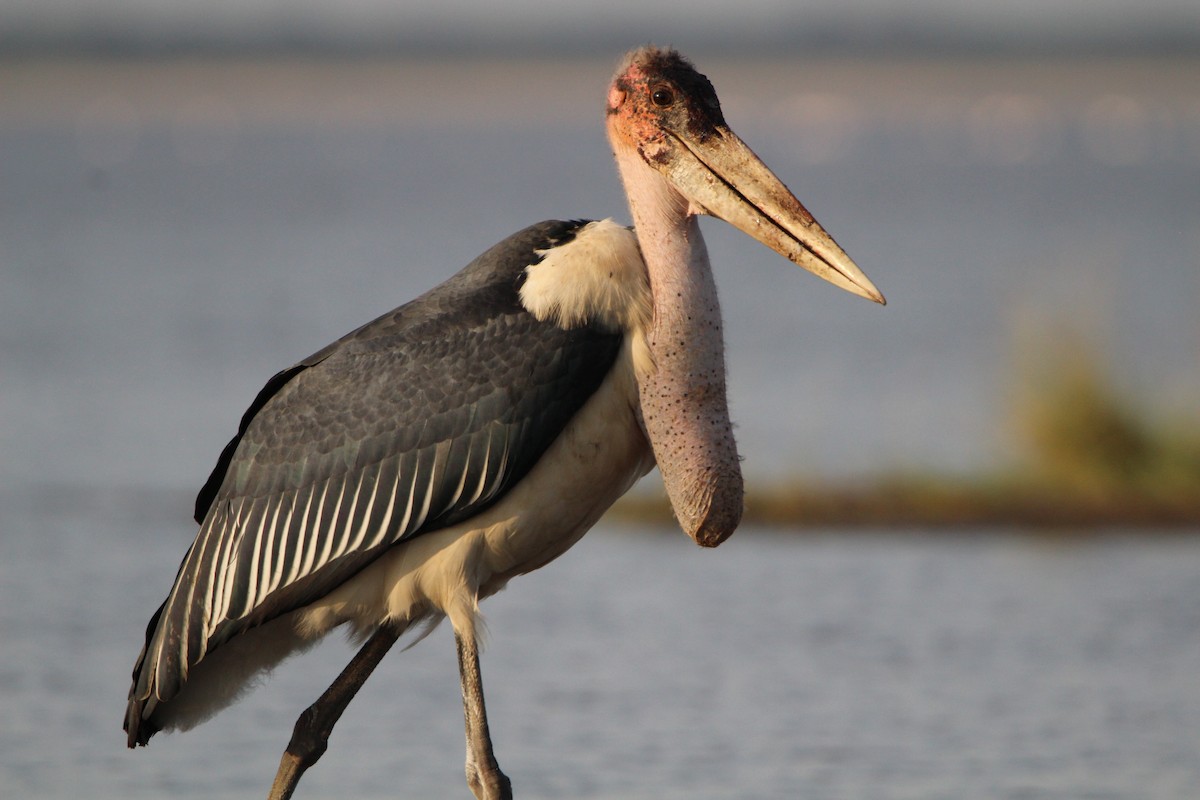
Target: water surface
<point>640,666</point>
<point>170,236</point>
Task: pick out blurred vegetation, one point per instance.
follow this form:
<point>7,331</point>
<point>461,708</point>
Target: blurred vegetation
<point>1084,456</point>
<point>1079,433</point>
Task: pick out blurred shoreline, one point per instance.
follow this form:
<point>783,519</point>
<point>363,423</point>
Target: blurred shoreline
<point>344,92</point>
<point>951,504</point>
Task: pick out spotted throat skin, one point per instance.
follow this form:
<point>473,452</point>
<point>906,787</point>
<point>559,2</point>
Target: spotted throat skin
<point>683,403</point>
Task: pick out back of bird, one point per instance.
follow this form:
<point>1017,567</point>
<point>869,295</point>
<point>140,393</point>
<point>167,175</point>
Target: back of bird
<point>414,422</point>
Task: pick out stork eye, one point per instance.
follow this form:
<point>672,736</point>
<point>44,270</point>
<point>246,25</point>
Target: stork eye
<point>662,97</point>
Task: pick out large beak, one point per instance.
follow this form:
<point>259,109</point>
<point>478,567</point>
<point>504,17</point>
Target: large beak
<point>723,177</point>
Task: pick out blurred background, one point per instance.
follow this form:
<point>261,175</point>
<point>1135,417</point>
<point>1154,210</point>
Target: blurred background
<point>195,195</point>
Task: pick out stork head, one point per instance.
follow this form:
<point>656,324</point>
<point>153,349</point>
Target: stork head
<point>664,113</point>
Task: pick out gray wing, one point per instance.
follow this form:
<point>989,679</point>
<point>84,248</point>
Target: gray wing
<point>416,421</point>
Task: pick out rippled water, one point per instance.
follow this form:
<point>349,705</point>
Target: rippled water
<point>639,666</point>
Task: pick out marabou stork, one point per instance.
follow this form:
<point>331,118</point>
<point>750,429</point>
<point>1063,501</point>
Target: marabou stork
<point>411,468</point>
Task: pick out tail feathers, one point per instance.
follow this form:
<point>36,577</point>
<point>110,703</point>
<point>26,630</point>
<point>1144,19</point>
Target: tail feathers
<point>212,683</point>
<point>137,726</point>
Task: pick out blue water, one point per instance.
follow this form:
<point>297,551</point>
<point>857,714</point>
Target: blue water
<point>156,267</point>
<point>640,666</point>
<point>159,261</point>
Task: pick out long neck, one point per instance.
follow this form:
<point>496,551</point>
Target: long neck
<point>683,405</point>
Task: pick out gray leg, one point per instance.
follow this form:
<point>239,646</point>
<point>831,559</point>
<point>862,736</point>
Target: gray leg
<point>484,777</point>
<point>310,737</point>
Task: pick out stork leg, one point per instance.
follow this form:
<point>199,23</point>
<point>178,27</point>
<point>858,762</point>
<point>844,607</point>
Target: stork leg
<point>310,737</point>
<point>484,777</point>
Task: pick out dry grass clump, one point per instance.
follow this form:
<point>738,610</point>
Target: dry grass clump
<point>1085,456</point>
